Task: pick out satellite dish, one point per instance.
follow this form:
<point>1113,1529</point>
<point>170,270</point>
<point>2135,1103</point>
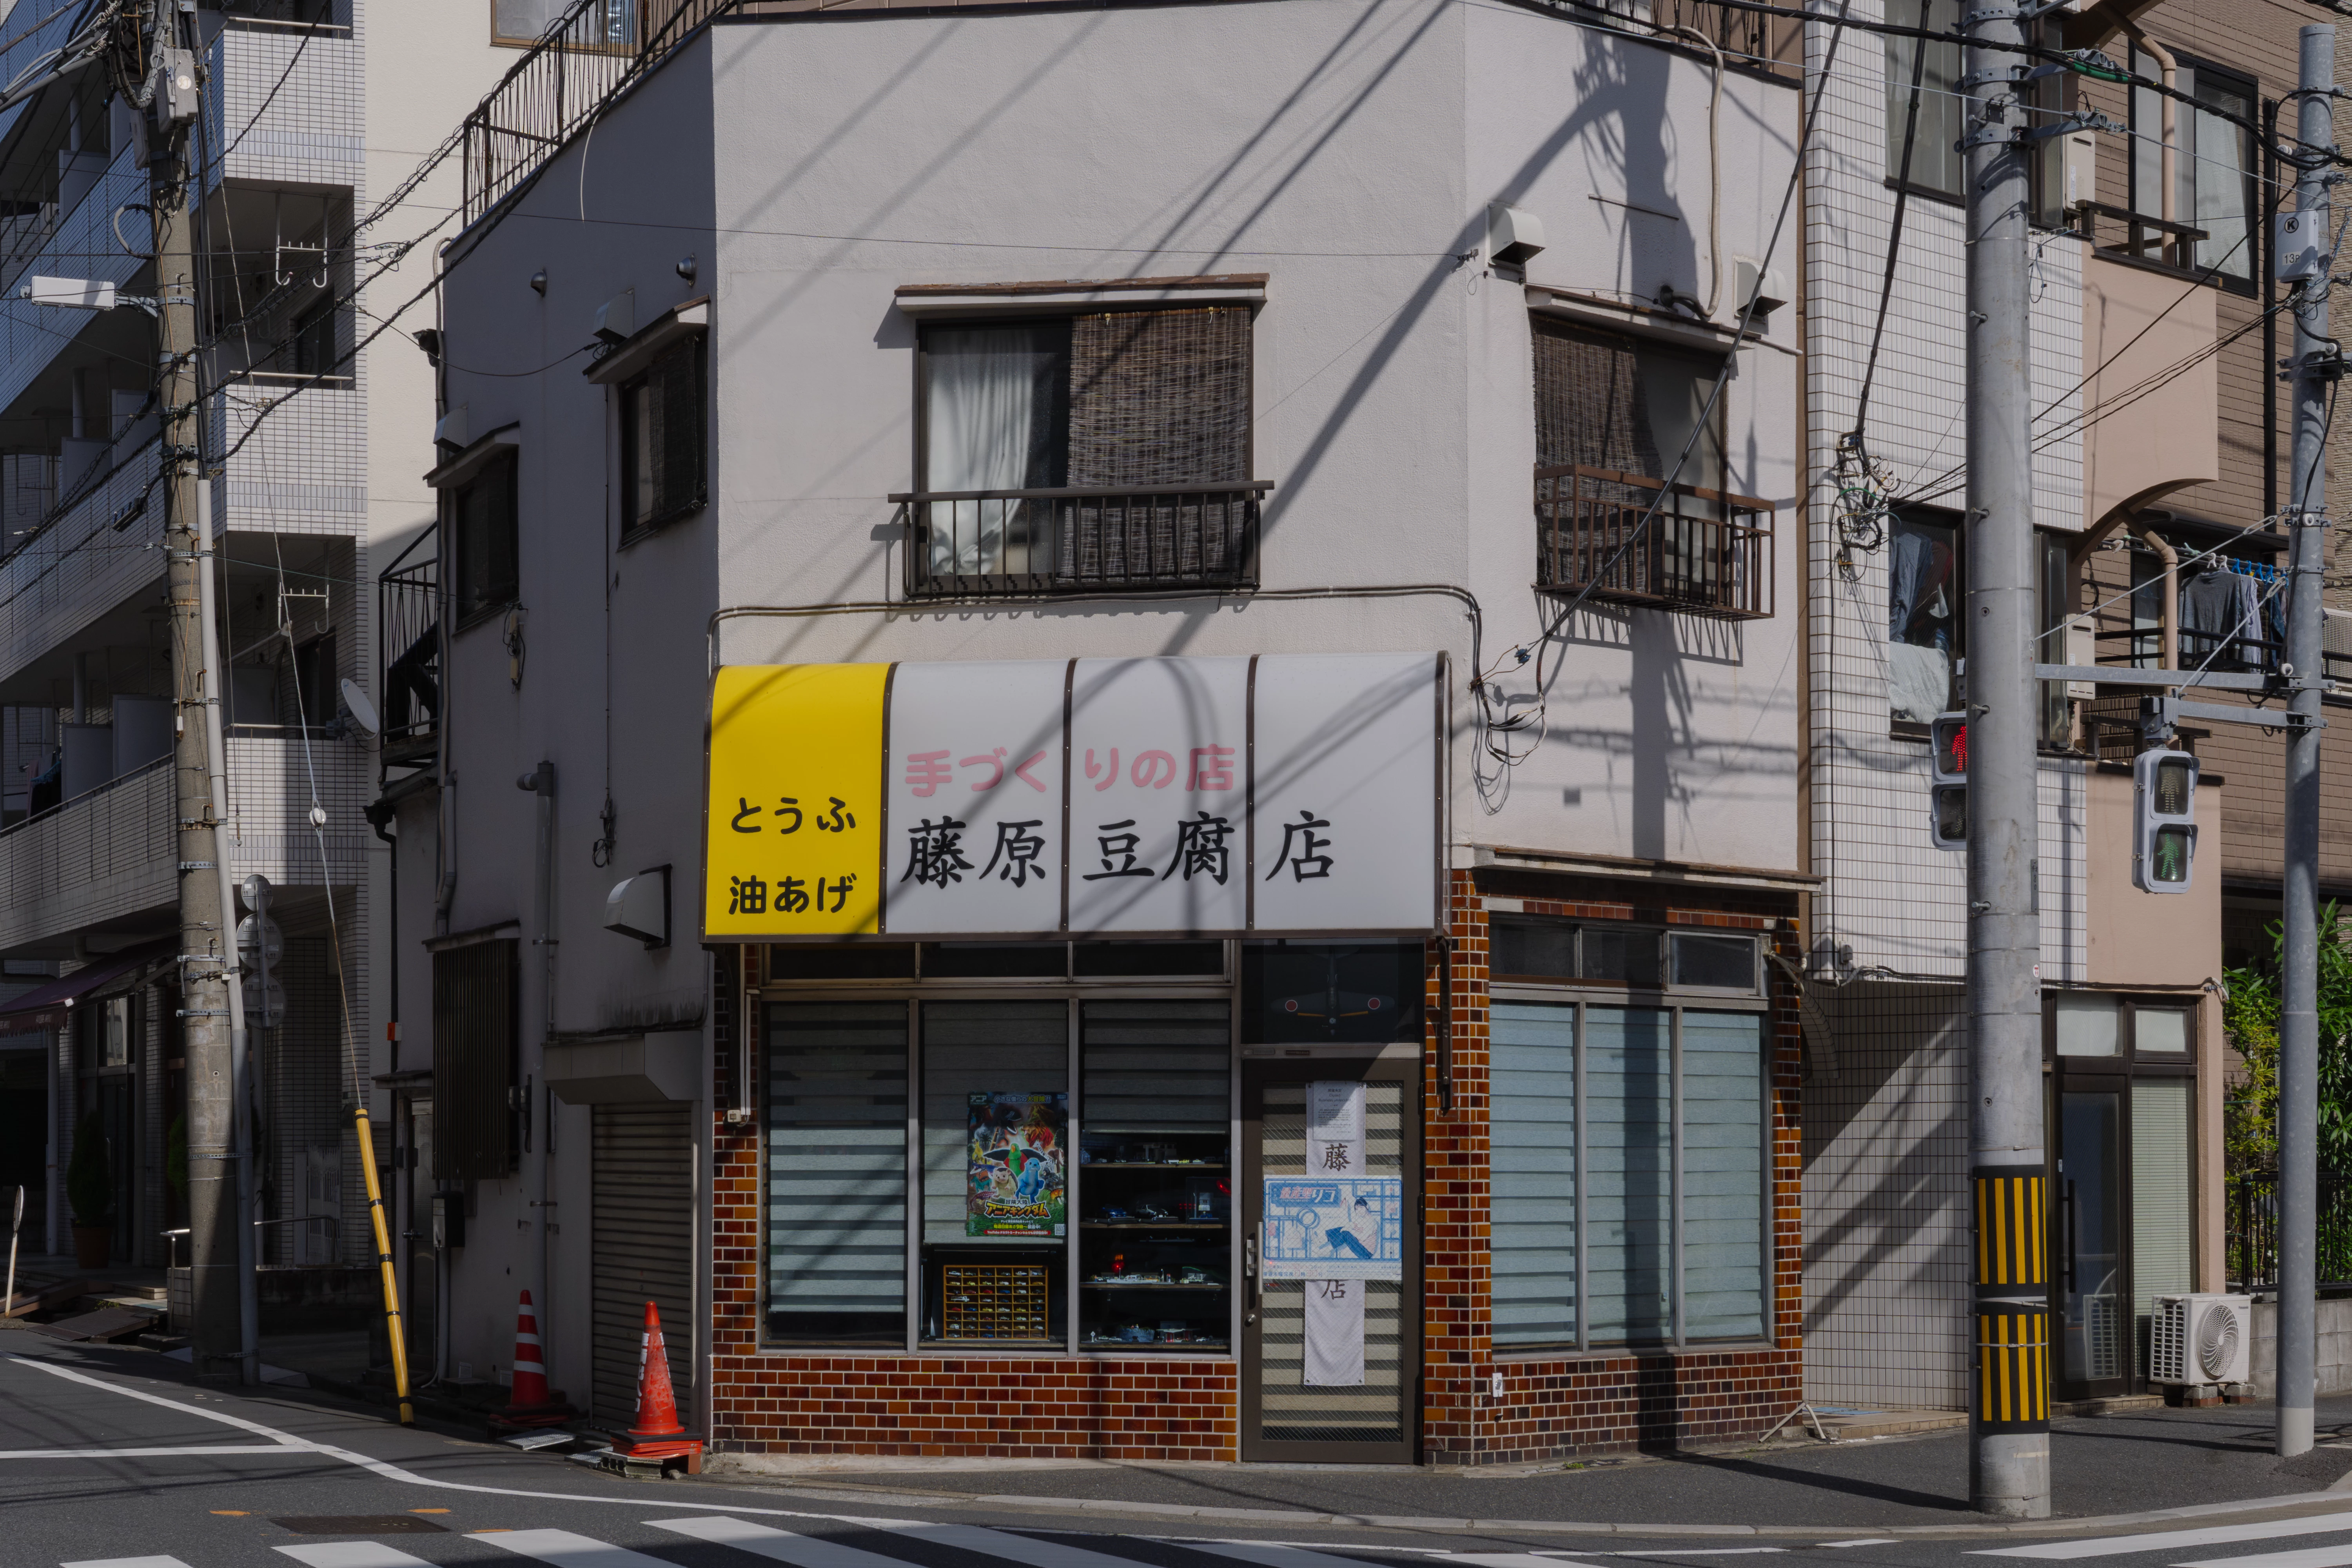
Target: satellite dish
<point>362,711</point>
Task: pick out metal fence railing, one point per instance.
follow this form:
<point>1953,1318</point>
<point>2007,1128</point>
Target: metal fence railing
<point>588,57</point>
<point>2251,1221</point>
<point>1623,539</point>
<point>408,648</point>
<point>1017,542</point>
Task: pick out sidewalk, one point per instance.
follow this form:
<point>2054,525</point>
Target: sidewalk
<point>2117,1464</point>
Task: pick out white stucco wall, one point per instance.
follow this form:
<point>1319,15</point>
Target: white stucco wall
<point>1345,148</point>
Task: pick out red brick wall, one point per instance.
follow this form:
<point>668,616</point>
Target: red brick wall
<point>1150,1409</point>
<point>1560,1407</point>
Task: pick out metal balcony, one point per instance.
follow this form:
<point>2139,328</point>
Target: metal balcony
<point>1029,543</point>
<point>1623,539</point>
<point>409,651</point>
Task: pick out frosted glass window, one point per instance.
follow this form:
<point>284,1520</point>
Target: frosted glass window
<point>2161,1220</point>
<point>1629,1171</point>
<point>2089,1026</point>
<point>837,1178</point>
<point>1532,1137</point>
<point>2161,1031</point>
<point>1723,1176</point>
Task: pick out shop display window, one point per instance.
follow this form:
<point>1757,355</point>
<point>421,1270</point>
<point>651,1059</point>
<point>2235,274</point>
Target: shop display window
<point>1156,1176</point>
<point>996,1171</point>
<point>1331,993</point>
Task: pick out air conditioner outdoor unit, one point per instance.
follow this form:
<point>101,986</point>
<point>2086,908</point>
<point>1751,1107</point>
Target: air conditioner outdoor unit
<point>2201,1339</point>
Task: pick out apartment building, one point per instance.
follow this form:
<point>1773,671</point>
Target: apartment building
<point>307,116</point>
<point>1033,650</point>
<point>2157,468</point>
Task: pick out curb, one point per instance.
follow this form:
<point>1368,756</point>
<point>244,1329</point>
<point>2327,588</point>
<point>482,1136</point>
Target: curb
<point>2292,1503</point>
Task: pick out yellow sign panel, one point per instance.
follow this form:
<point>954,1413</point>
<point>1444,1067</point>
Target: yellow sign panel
<point>794,829</point>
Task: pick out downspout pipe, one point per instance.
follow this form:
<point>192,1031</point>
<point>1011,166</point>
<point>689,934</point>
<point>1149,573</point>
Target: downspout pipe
<point>2170,616</point>
<point>538,1021</point>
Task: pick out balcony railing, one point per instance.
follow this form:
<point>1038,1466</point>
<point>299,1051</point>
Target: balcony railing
<point>2161,242</point>
<point>1703,553</point>
<point>1080,540</point>
<point>408,650</point>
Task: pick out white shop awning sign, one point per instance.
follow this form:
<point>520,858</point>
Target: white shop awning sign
<point>1136,797</point>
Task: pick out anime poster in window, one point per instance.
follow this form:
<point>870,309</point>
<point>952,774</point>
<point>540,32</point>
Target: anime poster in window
<point>1019,1178</point>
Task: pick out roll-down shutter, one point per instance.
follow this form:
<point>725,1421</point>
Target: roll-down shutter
<point>643,1250</point>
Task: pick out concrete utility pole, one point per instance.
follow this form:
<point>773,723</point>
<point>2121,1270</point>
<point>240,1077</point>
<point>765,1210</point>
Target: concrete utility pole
<point>2008,1457</point>
<point>2298,1099</point>
<point>217,1221</point>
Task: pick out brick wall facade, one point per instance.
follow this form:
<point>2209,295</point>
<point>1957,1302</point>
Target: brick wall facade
<point>1169,1408</point>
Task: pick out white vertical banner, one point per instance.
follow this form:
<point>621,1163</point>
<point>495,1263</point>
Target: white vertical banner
<point>1158,793</point>
<point>1334,1336</point>
<point>973,777</point>
<point>1345,791</point>
<point>1335,1128</point>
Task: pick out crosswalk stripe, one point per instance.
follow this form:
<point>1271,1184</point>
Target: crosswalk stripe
<point>126,1563</point>
<point>352,1554</point>
<point>1021,1548</point>
<point>1270,1554</point>
<point>2175,1540</point>
<point>2308,1557</point>
<point>1509,1559</point>
<point>564,1550</point>
<point>775,1545</point>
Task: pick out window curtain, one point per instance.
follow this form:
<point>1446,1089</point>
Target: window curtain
<point>1610,403</point>
<point>837,1170</point>
<point>996,420</point>
<point>1533,1142</point>
<point>1935,137</point>
<point>2215,168</point>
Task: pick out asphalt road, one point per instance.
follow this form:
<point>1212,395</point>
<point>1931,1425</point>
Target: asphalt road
<point>109,1460</point>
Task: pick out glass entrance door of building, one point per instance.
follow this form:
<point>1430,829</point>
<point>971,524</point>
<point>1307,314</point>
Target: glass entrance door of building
<point>2092,1264</point>
<point>1315,1388</point>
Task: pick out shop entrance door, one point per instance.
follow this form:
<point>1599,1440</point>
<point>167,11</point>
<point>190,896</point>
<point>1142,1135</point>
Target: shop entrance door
<point>1283,1416</point>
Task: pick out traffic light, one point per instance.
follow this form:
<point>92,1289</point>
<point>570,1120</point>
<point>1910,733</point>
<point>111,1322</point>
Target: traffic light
<point>2164,827</point>
<point>1948,790</point>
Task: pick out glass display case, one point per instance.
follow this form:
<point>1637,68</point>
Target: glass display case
<point>1155,1177</point>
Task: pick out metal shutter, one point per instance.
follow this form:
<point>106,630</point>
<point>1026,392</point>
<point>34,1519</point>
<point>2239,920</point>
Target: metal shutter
<point>642,1248</point>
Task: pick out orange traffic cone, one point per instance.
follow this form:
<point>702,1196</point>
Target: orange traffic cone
<point>531,1404</point>
<point>656,1434</point>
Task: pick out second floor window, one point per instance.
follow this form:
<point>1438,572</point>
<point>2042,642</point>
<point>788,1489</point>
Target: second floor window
<point>1100,407</point>
<point>1926,637</point>
<point>483,539</point>
<point>2213,169</point>
<point>662,440</point>
<point>1626,405</point>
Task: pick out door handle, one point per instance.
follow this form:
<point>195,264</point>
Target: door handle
<point>1249,1266</point>
<point>2071,1237</point>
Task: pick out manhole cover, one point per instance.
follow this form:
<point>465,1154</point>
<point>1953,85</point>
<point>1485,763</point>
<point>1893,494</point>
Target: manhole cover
<point>359,1524</point>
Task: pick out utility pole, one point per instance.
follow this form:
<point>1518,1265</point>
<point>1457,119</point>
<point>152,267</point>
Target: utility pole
<point>2009,1455</point>
<point>217,1223</point>
<point>2316,368</point>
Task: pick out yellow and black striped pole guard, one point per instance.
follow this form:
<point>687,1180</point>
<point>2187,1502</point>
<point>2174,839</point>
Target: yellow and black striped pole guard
<point>2012,1302</point>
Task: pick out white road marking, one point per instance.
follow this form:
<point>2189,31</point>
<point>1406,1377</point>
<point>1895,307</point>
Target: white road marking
<point>126,1563</point>
<point>352,1554</point>
<point>1270,1554</point>
<point>565,1550</point>
<point>2308,1557</point>
<point>1018,1548</point>
<point>776,1546</point>
<point>1865,1541</point>
<point>1509,1560</point>
<point>2175,1540</point>
<point>391,1472</point>
<point>148,1453</point>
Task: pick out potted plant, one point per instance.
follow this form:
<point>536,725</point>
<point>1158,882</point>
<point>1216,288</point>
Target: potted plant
<point>89,1192</point>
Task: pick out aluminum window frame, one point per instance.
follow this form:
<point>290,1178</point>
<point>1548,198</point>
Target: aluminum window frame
<point>1073,995</point>
<point>1674,1002</point>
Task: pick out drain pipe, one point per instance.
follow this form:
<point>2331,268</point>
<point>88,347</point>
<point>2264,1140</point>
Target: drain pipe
<point>538,1021</point>
<point>2168,637</point>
